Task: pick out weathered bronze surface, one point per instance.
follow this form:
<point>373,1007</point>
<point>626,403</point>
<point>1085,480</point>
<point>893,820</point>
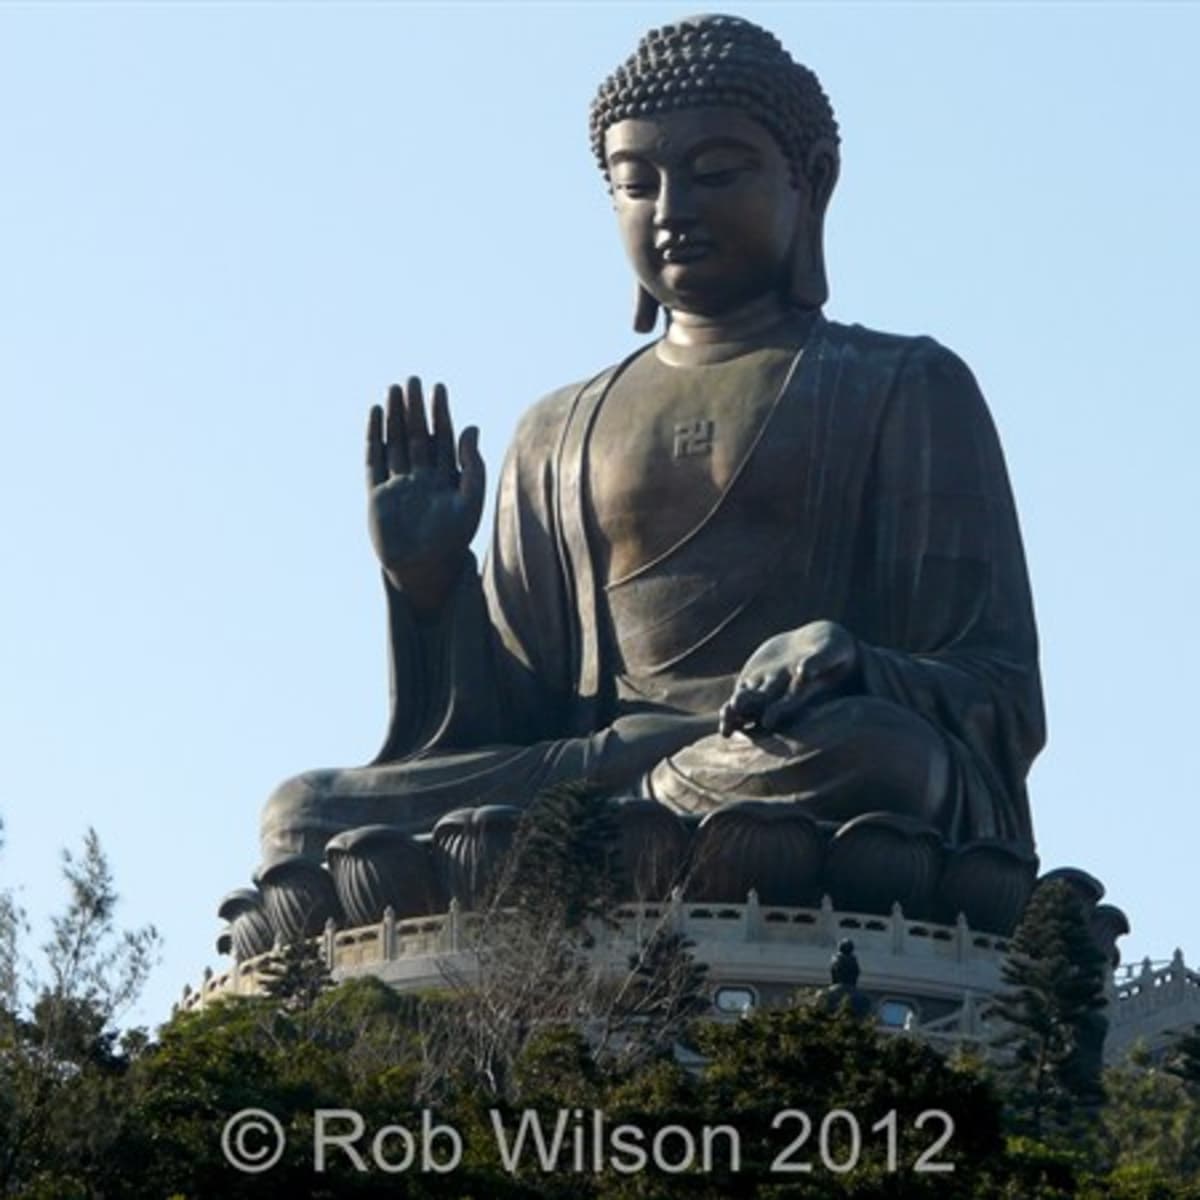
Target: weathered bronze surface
<point>766,558</point>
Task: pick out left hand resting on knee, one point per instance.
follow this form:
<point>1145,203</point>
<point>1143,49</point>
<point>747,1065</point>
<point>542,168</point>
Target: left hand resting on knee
<point>790,672</point>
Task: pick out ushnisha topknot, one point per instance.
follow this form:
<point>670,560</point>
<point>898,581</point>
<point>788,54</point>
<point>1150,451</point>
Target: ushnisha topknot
<point>718,60</point>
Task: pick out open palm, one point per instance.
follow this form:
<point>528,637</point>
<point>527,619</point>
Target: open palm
<point>425,496</point>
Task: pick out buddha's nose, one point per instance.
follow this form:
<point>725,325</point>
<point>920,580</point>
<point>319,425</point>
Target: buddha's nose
<point>675,207</point>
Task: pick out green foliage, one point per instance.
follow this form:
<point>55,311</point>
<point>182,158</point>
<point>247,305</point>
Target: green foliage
<point>62,1063</point>
<point>87,1114</point>
<point>818,1061</point>
<point>296,976</point>
<point>1140,1182</point>
<point>1054,1035</point>
<point>364,1049</point>
<point>663,994</point>
<point>558,1069</point>
<point>89,958</point>
<point>1183,1060</point>
<point>12,923</point>
<point>1151,1121</point>
<point>565,864</point>
<point>361,1051</point>
<point>533,967</point>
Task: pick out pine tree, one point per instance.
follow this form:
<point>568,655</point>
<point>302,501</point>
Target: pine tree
<point>62,1060</point>
<point>664,992</point>
<point>1054,1026</point>
<point>296,975</point>
<point>566,859</point>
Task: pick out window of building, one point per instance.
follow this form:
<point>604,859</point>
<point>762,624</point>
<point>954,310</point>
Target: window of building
<point>738,1000</point>
<point>898,1014</point>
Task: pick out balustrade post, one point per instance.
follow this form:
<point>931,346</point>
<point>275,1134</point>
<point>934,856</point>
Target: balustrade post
<point>751,917</point>
<point>388,933</point>
<point>327,942</point>
<point>897,927</point>
<point>962,938</point>
<point>825,922</point>
<point>675,911</point>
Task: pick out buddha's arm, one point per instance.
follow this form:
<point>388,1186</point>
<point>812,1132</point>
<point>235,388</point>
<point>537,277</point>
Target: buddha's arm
<point>442,690</point>
<point>492,665</point>
<point>952,633</point>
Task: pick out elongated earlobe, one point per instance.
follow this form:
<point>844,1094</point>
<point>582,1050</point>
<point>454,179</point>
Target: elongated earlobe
<point>808,286</point>
<point>645,311</point>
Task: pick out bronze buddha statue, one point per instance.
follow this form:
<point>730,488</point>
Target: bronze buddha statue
<point>769,564</point>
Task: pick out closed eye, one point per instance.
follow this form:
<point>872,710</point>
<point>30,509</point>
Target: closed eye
<point>720,178</point>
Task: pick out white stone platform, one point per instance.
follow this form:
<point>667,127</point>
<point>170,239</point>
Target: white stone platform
<point>926,977</point>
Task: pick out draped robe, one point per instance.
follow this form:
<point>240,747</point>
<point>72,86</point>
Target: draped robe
<point>901,527</point>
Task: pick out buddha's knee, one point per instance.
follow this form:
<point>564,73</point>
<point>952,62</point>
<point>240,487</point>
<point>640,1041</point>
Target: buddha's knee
<point>883,753</point>
<point>298,894</point>
<point>296,818</point>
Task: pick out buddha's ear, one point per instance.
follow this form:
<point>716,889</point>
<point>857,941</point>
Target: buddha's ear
<point>821,170</point>
<point>809,286</point>
<point>645,311</point>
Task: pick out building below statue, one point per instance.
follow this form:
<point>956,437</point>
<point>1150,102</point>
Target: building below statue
<point>916,973</point>
<point>930,979</point>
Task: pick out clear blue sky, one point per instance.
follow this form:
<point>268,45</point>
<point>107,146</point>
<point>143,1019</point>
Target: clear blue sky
<point>225,229</point>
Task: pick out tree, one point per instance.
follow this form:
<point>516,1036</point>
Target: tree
<point>804,1058</point>
<point>537,963</point>
<point>364,1050</point>
<point>565,862</point>
<point>359,1048</point>
<point>653,1007</point>
<point>296,975</point>
<point>1183,1060</point>
<point>1054,1027</point>
<point>61,1056</point>
<point>12,924</point>
<point>1151,1120</point>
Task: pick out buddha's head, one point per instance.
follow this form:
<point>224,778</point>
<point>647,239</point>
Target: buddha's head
<point>721,153</point>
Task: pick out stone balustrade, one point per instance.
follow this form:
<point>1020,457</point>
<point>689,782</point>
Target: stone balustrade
<point>750,943</point>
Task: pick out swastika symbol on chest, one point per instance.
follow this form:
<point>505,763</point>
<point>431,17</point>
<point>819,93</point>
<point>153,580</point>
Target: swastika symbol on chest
<point>693,438</point>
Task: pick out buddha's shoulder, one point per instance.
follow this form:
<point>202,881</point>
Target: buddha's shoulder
<point>549,412</point>
<point>889,351</point>
<point>915,379</point>
<point>909,371</point>
<point>546,418</point>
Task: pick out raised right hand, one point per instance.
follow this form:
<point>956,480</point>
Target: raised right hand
<point>424,501</point>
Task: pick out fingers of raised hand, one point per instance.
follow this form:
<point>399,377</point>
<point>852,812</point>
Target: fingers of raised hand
<point>377,467</point>
<point>403,441</point>
<point>472,480</point>
<point>397,432</point>
<point>444,460</point>
<point>420,446</point>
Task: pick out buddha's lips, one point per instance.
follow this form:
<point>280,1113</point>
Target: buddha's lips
<point>684,252</point>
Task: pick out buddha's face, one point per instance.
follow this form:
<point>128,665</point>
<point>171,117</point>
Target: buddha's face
<point>706,206</point>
